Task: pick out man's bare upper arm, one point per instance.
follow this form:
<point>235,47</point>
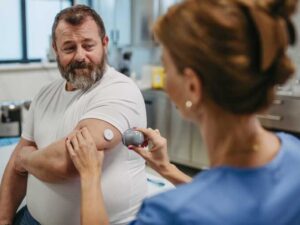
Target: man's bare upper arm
<point>52,163</point>
<point>96,128</point>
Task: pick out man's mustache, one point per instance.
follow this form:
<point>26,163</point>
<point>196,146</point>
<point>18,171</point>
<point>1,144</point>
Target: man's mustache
<point>80,65</point>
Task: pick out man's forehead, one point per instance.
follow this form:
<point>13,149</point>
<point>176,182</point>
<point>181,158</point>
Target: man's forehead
<point>87,25</point>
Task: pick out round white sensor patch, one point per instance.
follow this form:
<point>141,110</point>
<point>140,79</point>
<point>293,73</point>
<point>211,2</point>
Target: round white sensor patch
<point>108,134</point>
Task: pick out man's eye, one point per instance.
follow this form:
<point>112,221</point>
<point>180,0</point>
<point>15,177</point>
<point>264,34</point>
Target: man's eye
<point>69,49</point>
<point>88,47</point>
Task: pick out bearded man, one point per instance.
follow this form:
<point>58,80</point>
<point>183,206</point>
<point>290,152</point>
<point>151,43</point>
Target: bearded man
<point>90,94</point>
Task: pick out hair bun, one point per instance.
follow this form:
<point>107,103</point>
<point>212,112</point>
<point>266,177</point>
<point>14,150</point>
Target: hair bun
<point>284,8</point>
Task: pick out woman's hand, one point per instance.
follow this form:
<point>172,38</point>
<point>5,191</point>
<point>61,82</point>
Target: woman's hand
<point>88,161</point>
<point>157,155</point>
<point>84,154</point>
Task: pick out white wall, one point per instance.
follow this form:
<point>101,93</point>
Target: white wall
<point>23,81</point>
<point>19,82</point>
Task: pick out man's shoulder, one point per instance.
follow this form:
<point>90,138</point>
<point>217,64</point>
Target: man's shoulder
<point>52,84</point>
<point>112,76</point>
<point>115,84</point>
<point>49,88</point>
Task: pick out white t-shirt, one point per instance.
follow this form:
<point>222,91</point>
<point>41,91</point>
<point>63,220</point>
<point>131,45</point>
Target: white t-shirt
<point>54,114</point>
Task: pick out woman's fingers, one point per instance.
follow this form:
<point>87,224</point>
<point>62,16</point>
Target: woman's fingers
<point>70,148</point>
<point>80,138</point>
<point>145,143</point>
<point>86,134</point>
<point>84,154</point>
<point>154,137</point>
<point>100,155</point>
<point>147,131</point>
<point>73,154</point>
<point>74,143</point>
<point>151,134</point>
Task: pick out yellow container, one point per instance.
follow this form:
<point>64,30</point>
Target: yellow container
<point>158,77</point>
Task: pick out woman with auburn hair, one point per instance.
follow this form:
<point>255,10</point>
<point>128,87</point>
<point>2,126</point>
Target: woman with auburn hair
<point>223,60</point>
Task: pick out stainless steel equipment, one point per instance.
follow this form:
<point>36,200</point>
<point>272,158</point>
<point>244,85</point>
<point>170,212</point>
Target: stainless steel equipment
<point>283,114</point>
<point>158,109</point>
<point>11,119</point>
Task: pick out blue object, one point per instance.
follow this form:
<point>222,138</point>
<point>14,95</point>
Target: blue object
<point>234,196</point>
<point>24,217</point>
<point>8,141</point>
<point>156,182</point>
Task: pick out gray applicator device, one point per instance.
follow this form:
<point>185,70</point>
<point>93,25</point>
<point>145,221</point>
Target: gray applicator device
<point>133,137</point>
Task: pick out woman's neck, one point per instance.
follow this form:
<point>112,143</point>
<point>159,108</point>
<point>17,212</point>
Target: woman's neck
<point>237,141</point>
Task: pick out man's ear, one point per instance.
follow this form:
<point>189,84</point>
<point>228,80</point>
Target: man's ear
<point>54,47</point>
<point>105,42</point>
<point>193,86</point>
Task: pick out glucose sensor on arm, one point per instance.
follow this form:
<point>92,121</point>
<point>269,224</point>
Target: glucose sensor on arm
<point>108,134</point>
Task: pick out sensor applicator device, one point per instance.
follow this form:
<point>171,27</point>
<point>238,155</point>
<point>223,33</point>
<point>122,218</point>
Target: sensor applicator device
<point>133,137</point>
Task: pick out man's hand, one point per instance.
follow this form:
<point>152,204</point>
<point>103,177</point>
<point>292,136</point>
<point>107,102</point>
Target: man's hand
<point>13,186</point>
<point>21,157</point>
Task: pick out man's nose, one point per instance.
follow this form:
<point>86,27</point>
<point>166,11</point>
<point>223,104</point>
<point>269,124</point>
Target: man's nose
<point>80,55</point>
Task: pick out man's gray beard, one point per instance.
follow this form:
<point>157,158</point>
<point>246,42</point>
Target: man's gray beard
<point>83,81</point>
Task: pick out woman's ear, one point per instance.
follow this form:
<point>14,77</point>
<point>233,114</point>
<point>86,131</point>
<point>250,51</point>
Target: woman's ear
<point>193,86</point>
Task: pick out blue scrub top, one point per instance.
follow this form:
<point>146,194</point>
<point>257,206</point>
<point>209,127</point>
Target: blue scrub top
<point>267,195</point>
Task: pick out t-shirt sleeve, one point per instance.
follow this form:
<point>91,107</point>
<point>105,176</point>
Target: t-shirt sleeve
<point>28,126</point>
<point>155,211</point>
<point>120,104</point>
